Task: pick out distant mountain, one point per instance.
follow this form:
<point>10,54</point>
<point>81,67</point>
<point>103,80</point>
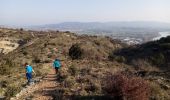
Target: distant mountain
<point>138,31</point>
<point>107,26</point>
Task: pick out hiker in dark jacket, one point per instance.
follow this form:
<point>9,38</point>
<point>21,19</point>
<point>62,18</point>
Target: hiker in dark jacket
<point>56,65</point>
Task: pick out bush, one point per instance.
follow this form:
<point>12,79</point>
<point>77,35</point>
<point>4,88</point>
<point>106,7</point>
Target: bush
<point>140,64</point>
<point>36,59</point>
<point>3,84</point>
<point>62,75</point>
<point>158,59</point>
<point>12,91</point>
<point>50,55</point>
<point>67,32</point>
<point>93,86</point>
<point>119,59</point>
<point>165,46</point>
<point>165,40</point>
<point>25,53</point>
<point>21,29</point>
<point>122,87</point>
<point>75,52</point>
<point>157,93</point>
<point>73,70</point>
<point>7,66</point>
<point>69,82</point>
<point>5,70</point>
<point>47,61</point>
<point>85,71</point>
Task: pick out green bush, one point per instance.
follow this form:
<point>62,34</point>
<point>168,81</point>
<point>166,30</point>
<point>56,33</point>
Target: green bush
<point>69,82</point>
<point>62,75</point>
<point>73,70</point>
<point>6,67</point>
<point>36,60</point>
<point>165,46</point>
<point>50,55</point>
<point>12,91</point>
<point>25,53</point>
<point>85,71</point>
<point>47,61</point>
<point>157,93</point>
<point>5,70</point>
<point>158,59</point>
<point>165,40</point>
<point>76,52</point>
<point>119,59</point>
<point>93,86</point>
<point>3,84</point>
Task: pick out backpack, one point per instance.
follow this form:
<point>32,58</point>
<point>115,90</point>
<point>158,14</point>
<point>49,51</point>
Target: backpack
<point>57,64</point>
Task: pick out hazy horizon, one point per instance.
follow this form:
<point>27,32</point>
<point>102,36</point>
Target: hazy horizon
<point>39,12</point>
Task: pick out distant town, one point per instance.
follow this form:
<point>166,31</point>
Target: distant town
<point>135,32</point>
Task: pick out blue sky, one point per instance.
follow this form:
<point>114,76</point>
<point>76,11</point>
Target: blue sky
<point>37,12</point>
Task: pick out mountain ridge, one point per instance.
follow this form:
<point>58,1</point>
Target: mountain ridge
<point>127,24</point>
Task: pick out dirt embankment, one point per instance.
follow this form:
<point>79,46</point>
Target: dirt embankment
<point>8,44</point>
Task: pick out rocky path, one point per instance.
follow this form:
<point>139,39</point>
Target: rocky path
<point>44,90</point>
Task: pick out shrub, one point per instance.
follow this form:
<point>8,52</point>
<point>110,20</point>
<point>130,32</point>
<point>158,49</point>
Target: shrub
<point>69,82</point>
<point>12,91</point>
<point>25,53</point>
<point>7,66</point>
<point>67,32</point>
<point>47,61</point>
<point>73,70</point>
<point>59,94</point>
<point>5,69</point>
<point>158,59</point>
<point>165,40</point>
<point>50,55</point>
<point>3,84</point>
<point>85,71</point>
<point>157,93</point>
<point>111,56</point>
<point>119,59</point>
<point>21,29</point>
<point>75,52</point>
<point>122,87</point>
<point>62,75</point>
<point>36,59</point>
<point>93,86</point>
<point>140,64</point>
<point>165,46</point>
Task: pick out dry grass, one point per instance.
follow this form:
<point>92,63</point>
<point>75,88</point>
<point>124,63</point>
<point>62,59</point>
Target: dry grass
<point>157,93</point>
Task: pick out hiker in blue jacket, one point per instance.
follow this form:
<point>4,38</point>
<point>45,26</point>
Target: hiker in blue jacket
<point>29,71</point>
<point>56,65</point>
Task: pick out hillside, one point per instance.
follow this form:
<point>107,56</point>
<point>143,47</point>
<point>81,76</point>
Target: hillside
<point>88,65</point>
<point>156,53</point>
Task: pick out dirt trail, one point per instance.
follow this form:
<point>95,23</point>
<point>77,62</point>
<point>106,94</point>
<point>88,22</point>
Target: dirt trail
<point>43,90</point>
<point>47,89</point>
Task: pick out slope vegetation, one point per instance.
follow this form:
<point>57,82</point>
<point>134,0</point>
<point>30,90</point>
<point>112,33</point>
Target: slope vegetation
<point>88,68</point>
